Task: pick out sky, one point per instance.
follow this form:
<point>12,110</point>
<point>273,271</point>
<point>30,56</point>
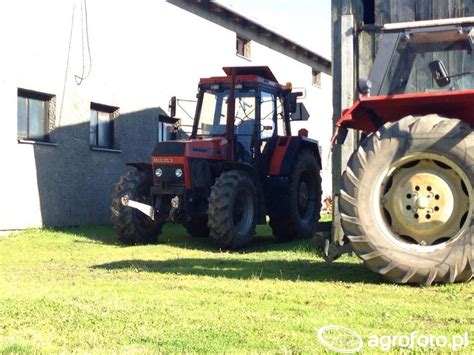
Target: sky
<point>307,22</point>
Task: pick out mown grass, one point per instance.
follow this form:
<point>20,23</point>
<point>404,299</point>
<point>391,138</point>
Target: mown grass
<point>77,290</point>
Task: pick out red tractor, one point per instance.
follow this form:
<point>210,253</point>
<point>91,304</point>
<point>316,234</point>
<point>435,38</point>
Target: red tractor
<point>407,198</point>
<point>240,165</point>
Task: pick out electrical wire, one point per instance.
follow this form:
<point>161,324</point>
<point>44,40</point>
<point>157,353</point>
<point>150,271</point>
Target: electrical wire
<point>67,63</point>
<point>84,29</point>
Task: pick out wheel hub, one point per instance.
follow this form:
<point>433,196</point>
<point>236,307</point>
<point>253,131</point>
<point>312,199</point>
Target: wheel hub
<point>425,201</point>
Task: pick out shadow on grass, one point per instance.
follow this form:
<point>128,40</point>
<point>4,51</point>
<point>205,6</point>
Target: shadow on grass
<point>302,270</point>
<point>102,234</point>
<point>176,236</point>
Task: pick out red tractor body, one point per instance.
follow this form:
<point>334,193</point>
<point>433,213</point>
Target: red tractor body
<point>239,165</point>
<point>368,112</point>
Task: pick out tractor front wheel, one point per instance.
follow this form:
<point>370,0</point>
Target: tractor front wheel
<point>407,200</point>
<point>232,210</point>
<point>132,226</point>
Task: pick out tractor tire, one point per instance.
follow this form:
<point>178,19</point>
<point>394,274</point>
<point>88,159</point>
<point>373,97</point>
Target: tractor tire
<point>304,200</point>
<point>197,227</point>
<point>407,200</point>
<point>131,225</point>
<point>232,210</point>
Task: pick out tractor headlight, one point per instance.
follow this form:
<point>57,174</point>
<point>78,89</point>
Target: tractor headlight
<point>158,172</point>
<point>178,173</point>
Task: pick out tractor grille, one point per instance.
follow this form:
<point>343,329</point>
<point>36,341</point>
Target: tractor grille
<point>168,178</point>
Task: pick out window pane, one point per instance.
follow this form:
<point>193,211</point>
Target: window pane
<point>22,117</point>
<point>267,108</point>
<point>208,111</point>
<point>267,114</point>
<point>245,108</point>
<point>37,119</point>
<point>93,128</point>
<point>104,129</point>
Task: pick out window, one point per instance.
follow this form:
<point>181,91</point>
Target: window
<point>101,125</point>
<point>268,115</point>
<point>243,47</point>
<point>35,112</point>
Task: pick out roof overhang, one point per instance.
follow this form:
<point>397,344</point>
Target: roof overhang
<point>252,30</point>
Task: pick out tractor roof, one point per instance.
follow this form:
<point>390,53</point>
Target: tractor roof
<point>261,74</point>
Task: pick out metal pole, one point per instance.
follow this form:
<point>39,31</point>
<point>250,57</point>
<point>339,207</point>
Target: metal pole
<point>230,118</point>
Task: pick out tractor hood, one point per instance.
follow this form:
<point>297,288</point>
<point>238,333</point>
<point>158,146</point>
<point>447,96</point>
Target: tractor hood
<point>208,148</point>
<point>369,113</point>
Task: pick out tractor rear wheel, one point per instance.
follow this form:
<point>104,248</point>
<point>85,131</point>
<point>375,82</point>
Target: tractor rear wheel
<point>132,226</point>
<point>232,210</point>
<point>304,200</point>
<point>407,200</point>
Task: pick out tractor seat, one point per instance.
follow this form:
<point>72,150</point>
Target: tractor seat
<point>244,134</point>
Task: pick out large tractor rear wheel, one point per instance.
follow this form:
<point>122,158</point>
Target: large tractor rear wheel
<point>304,200</point>
<point>132,226</point>
<point>407,200</point>
<point>232,210</point>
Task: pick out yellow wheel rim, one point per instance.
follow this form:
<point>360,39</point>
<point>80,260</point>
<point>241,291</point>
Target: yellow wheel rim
<point>425,199</point>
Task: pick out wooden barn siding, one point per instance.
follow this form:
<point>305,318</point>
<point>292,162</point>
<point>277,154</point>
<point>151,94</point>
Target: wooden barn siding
<point>390,11</point>
<point>417,10</point>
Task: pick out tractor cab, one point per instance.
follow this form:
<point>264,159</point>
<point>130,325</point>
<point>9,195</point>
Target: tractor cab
<point>247,107</point>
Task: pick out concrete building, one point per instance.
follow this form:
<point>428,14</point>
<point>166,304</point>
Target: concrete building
<point>82,85</point>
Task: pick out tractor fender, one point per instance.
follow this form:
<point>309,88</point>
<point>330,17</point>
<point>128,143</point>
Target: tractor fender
<point>286,152</point>
<point>239,166</point>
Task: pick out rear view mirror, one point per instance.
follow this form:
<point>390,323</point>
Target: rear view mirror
<point>301,113</point>
<point>440,73</point>
<point>293,102</point>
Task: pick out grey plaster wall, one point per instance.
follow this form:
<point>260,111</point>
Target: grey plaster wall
<point>75,182</point>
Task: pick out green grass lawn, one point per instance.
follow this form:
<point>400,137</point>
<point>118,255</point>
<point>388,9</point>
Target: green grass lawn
<point>77,290</point>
